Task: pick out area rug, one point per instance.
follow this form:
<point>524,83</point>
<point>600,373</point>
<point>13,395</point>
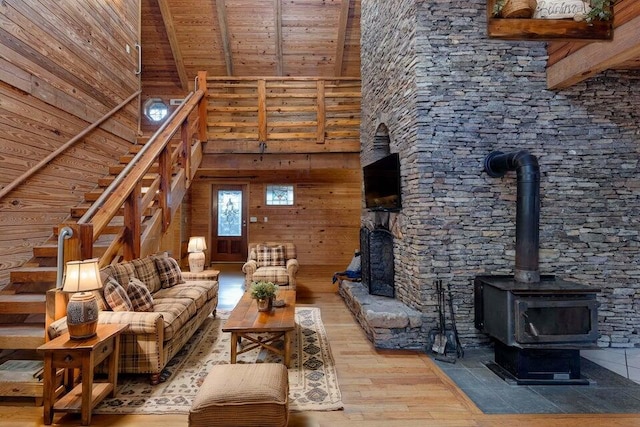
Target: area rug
<point>313,384</point>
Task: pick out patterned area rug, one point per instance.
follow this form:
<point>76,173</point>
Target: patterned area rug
<point>313,384</point>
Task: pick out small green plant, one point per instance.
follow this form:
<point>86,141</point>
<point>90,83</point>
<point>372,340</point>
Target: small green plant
<point>263,289</point>
<point>601,10</point>
<point>497,7</point>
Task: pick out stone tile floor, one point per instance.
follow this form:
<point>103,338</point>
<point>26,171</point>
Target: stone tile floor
<point>608,392</point>
<point>623,361</point>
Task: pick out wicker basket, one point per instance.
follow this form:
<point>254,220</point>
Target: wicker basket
<point>519,8</point>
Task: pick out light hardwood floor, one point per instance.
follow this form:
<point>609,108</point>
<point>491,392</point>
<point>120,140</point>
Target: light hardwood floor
<point>379,388</point>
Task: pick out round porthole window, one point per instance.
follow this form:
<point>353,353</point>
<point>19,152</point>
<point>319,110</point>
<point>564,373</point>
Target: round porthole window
<point>155,109</point>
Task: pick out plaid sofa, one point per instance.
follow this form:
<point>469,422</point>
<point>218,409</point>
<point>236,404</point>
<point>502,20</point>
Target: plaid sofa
<point>180,304</point>
<point>272,262</point>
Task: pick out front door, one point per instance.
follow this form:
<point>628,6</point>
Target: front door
<point>229,223</point>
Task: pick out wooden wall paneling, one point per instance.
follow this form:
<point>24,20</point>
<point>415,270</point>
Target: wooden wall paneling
<point>50,92</point>
<point>252,54</point>
<point>69,61</point>
<point>324,222</point>
<point>61,23</point>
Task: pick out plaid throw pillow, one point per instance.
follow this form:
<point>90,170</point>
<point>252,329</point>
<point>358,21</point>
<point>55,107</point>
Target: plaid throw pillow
<point>121,271</point>
<point>116,296</point>
<point>270,256</point>
<point>140,297</point>
<point>146,272</point>
<point>169,271</point>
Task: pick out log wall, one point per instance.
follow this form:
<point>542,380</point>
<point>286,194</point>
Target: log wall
<point>49,93</point>
<point>323,223</point>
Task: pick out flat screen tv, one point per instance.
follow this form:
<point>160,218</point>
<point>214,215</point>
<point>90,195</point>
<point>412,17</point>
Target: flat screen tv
<point>382,184</point>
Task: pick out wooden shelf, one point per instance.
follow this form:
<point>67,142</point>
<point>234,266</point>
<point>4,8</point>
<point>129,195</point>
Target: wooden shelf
<point>546,29</point>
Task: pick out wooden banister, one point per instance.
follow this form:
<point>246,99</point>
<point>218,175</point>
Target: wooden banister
<point>125,196</point>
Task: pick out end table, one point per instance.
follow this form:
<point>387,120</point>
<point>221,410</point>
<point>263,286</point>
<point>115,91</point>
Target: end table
<point>63,352</point>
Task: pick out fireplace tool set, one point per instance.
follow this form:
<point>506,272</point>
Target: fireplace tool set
<point>443,335</point>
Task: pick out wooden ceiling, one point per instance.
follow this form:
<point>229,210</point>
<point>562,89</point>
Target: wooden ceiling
<point>319,38</point>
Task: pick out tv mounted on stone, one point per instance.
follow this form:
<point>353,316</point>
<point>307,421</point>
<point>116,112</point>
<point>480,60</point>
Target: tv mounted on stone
<point>382,184</point>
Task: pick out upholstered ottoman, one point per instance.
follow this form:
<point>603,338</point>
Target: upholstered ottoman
<point>242,395</point>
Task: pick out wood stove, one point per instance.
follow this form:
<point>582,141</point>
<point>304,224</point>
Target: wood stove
<point>538,323</point>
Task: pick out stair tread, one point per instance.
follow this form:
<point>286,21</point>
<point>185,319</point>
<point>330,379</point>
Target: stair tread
<point>18,298</point>
<point>21,336</point>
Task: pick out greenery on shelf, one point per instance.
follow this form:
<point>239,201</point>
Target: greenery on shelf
<point>497,7</point>
<point>263,289</point>
<point>601,10</point>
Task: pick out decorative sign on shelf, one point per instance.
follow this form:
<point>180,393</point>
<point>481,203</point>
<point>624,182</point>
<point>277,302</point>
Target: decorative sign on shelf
<point>561,9</point>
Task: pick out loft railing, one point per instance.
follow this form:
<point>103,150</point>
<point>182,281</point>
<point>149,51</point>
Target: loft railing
<point>283,114</point>
<point>176,165</point>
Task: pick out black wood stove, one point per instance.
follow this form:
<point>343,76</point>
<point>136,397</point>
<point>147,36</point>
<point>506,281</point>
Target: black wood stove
<point>538,323</point>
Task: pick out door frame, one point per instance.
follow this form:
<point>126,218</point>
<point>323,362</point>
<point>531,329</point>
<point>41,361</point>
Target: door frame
<point>213,219</point>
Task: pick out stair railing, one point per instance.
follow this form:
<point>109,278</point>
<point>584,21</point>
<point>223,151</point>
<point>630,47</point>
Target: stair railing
<point>163,196</point>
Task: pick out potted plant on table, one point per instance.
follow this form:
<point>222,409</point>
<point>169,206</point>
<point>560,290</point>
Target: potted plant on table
<point>264,292</point>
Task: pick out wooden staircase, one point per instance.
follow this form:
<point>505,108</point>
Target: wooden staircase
<point>23,302</point>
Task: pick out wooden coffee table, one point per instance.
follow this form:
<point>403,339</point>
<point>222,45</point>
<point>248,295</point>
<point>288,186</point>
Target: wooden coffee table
<point>245,320</point>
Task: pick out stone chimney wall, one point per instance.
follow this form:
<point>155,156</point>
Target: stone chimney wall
<point>448,96</point>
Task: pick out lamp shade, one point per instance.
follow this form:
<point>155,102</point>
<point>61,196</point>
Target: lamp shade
<point>197,244</point>
<point>82,310</point>
<point>82,276</point>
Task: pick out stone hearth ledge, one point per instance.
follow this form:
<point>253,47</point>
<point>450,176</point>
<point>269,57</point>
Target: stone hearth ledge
<point>387,322</point>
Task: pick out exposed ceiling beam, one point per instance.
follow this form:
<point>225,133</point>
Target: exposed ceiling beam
<point>342,35</point>
<point>596,57</point>
<point>277,6</point>
<point>173,42</point>
<point>224,35</point>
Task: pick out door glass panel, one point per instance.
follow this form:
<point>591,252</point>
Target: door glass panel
<point>230,213</point>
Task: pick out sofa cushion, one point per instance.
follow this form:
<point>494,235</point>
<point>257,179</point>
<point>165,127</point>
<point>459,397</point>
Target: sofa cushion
<point>184,290</point>
<point>277,275</point>
<point>270,256</point>
<point>116,296</point>
<point>145,269</point>
<point>168,271</point>
<point>176,312</point>
<point>140,297</point>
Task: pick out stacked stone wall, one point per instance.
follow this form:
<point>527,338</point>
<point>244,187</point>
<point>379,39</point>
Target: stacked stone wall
<point>449,96</point>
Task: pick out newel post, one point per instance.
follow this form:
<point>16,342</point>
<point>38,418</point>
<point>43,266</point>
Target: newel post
<point>131,247</point>
<point>202,106</point>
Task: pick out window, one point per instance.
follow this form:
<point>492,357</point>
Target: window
<point>155,109</point>
<point>280,195</point>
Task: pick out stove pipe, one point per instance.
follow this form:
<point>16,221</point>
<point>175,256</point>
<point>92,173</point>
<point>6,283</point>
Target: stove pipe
<point>497,164</point>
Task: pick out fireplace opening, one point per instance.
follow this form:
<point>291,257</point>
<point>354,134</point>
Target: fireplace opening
<point>377,261</point>
<point>538,323</point>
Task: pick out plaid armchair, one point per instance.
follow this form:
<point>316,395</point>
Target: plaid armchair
<point>273,262</point>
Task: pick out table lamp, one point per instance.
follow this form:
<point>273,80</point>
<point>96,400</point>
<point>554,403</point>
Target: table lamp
<point>81,278</point>
<point>197,244</point>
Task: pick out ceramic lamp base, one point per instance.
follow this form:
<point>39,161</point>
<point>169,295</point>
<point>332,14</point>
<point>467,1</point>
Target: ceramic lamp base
<point>196,262</point>
<point>82,316</point>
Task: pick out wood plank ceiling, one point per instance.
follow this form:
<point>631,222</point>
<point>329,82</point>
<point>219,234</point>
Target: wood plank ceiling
<point>249,38</point>
<point>318,38</point>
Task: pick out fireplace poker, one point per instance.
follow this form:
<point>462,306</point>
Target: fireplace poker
<point>454,327</point>
<point>440,339</point>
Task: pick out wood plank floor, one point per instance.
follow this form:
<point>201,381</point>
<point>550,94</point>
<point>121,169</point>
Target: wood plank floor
<point>379,388</point>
